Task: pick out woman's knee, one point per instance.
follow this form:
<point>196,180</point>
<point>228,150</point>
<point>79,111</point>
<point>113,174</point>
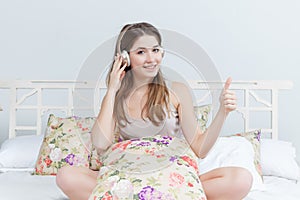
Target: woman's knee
<point>241,179</point>
<point>64,177</point>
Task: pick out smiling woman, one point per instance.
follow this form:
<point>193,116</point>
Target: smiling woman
<point>146,109</point>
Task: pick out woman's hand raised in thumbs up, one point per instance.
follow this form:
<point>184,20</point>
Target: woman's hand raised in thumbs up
<point>227,98</point>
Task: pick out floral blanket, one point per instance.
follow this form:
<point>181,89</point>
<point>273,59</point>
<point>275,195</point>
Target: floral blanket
<point>149,168</point>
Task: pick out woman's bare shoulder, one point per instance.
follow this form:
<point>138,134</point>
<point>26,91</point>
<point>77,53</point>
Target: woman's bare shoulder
<point>178,92</point>
<point>179,87</point>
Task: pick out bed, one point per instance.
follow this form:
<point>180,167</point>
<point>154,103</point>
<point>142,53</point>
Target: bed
<point>253,146</point>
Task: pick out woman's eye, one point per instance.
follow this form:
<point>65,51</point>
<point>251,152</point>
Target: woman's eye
<point>156,50</point>
<point>140,52</point>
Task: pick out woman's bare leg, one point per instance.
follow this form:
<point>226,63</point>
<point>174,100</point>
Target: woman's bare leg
<point>76,182</point>
<point>232,183</point>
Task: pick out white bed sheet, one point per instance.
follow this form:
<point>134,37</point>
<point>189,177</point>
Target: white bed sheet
<point>23,185</point>
<point>277,188</point>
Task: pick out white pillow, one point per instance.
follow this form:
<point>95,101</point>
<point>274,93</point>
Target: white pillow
<point>278,159</point>
<point>232,151</point>
<point>20,152</point>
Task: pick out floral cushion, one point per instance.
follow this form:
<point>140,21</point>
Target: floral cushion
<point>158,167</point>
<point>202,113</point>
<point>254,138</point>
<point>94,161</point>
<point>67,141</point>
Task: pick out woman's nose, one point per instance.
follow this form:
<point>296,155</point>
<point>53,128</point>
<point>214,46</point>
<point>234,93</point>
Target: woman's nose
<point>150,56</point>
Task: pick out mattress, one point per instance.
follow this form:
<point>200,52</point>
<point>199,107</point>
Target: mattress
<point>23,185</point>
<point>277,188</point>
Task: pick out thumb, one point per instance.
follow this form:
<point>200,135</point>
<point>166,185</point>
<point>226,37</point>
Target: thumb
<point>227,83</point>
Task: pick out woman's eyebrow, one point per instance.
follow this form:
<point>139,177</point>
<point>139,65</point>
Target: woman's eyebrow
<point>146,47</point>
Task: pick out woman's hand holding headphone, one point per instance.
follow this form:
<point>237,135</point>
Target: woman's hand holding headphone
<point>117,74</point>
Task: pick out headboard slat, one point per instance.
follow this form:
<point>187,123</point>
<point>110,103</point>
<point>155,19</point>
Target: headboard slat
<point>248,88</point>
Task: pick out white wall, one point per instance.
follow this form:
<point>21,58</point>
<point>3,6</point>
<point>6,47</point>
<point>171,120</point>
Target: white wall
<point>246,39</point>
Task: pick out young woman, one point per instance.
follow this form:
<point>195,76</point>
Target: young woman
<point>137,93</point>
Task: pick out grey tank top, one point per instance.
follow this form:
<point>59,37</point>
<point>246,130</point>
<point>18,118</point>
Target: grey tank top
<point>138,128</point>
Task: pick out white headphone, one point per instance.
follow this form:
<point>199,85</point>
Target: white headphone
<point>125,57</point>
<point>124,54</point>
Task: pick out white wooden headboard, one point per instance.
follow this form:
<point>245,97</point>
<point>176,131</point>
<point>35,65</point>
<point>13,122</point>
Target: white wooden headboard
<point>248,89</point>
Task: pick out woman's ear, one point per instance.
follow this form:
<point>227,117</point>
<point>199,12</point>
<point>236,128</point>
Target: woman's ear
<point>162,52</point>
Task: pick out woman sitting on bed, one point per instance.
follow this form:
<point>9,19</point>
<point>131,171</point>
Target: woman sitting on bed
<point>135,84</point>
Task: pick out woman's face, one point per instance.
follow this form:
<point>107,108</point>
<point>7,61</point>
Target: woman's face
<point>145,57</point>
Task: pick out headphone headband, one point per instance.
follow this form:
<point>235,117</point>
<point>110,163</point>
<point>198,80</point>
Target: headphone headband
<point>121,37</point>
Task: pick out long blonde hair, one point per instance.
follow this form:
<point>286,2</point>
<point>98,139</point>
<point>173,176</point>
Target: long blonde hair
<point>157,103</point>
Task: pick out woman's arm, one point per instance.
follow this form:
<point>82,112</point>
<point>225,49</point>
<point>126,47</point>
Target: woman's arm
<point>201,142</point>
<point>104,127</point>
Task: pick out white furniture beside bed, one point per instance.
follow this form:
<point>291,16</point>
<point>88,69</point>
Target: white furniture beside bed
<point>18,154</point>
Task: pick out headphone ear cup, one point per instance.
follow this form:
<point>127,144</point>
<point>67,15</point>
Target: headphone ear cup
<point>125,57</point>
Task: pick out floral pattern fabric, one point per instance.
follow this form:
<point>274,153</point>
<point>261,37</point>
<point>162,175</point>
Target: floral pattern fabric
<point>202,113</point>
<point>67,141</point>
<point>158,167</point>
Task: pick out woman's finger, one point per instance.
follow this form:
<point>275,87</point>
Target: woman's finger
<point>229,96</point>
<point>117,63</point>
<point>229,102</point>
<point>227,83</point>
